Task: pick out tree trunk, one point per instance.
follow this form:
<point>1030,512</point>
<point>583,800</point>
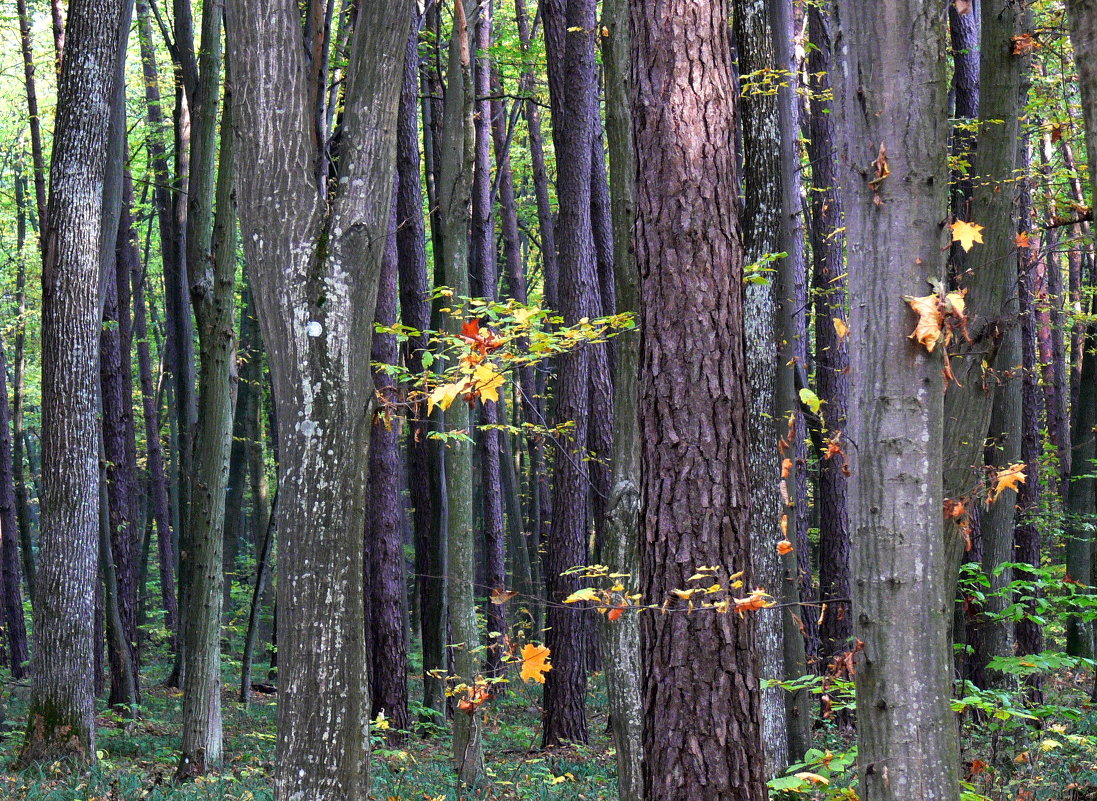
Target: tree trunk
<point>213,295</point>
<point>415,312</point>
<point>620,639</point>
<point>569,41</point>
<point>314,274</point>
<point>387,604</point>
<point>1082,15</point>
<point>701,714</point>
<point>15,629</point>
<point>154,457</point>
<point>19,370</point>
<point>484,280</point>
<point>762,226</point>
<point>60,718</point>
<point>893,108</point>
<point>458,145</point>
<point>831,349</point>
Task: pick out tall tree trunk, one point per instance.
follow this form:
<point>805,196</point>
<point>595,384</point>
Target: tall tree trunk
<point>315,275</point>
<point>762,227</point>
<point>15,629</point>
<point>792,360</point>
<point>19,371</point>
<point>831,348</point>
<point>701,715</point>
<point>569,40</point>
<point>458,153</point>
<point>620,639</point>
<point>387,599</point>
<point>1026,534</point>
<point>484,280</point>
<point>213,294</point>
<point>411,235</point>
<point>154,455</point>
<point>60,718</point>
<point>120,471</point>
<point>993,636</point>
<point>893,94</point>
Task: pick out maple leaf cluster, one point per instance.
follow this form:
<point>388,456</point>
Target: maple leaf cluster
<point>480,379</point>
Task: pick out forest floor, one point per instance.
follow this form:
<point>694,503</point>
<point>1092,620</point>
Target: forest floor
<point>1006,756</point>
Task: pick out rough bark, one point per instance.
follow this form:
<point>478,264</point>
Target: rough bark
<point>569,40</point>
<point>831,350</point>
<point>314,273</point>
<point>387,602</point>
<point>415,312</point>
<point>60,717</point>
<point>701,714</point>
<point>892,101</point>
<point>1082,15</point>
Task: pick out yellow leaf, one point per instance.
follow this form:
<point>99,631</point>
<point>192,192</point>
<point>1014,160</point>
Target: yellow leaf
<point>523,316</point>
<point>967,234</point>
<point>1049,745</point>
<point>585,594</point>
<point>535,662</point>
<point>444,396</point>
<point>840,328</point>
<point>810,399</point>
<point>928,330</point>
<point>814,778</point>
<point>1007,479</point>
<point>488,382</point>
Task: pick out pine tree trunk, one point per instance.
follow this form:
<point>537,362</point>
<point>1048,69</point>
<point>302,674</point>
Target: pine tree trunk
<point>388,598</point>
<point>60,717</point>
<point>701,714</point>
<point>569,42</point>
<point>893,93</point>
<point>831,349</point>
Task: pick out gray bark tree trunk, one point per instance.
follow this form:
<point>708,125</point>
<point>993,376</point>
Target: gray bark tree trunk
<point>313,250</point>
<point>621,638</point>
<point>60,717</point>
<point>892,99</point>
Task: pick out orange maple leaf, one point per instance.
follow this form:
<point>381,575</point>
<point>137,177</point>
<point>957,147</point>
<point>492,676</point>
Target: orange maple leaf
<point>535,662</point>
<point>1007,479</point>
<point>1022,240</point>
<point>784,546</point>
<point>758,599</point>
